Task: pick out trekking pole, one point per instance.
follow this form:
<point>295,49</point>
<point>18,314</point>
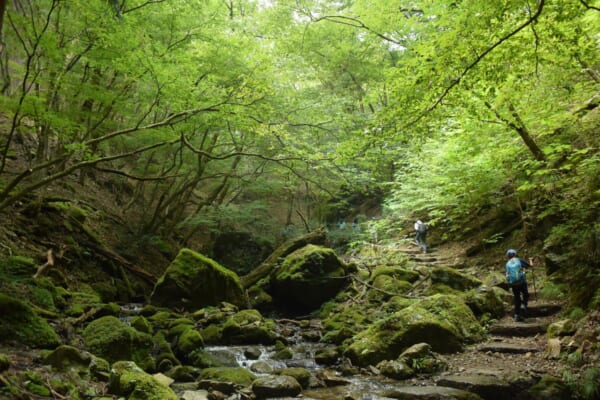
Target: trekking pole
<point>533,279</point>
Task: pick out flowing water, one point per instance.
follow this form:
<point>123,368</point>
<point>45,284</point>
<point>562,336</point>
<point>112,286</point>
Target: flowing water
<point>303,341</point>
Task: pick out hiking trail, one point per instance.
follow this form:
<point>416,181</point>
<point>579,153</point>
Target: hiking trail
<point>514,355</point>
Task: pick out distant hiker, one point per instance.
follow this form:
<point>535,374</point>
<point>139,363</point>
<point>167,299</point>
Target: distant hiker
<point>516,279</point>
<point>341,224</point>
<point>421,235</point>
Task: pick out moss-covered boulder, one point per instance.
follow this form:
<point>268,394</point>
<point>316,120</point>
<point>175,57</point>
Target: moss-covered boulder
<point>302,375</point>
<point>193,281</point>
<point>187,342</point>
<point>130,381</point>
<point>443,321</point>
<point>110,338</point>
<point>19,323</point>
<point>395,369</point>
<point>66,357</point>
<point>141,324</point>
<point>307,278</point>
<point>248,327</point>
<point>484,300</point>
<point>454,279</point>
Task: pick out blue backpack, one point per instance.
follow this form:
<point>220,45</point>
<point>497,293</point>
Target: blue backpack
<point>514,272</point>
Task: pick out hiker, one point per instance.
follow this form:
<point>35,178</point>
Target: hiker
<point>421,235</point>
<point>516,279</point>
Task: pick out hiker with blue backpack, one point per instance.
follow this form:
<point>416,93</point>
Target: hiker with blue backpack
<point>517,281</point>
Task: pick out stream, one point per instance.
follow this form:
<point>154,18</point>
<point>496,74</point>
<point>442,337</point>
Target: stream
<point>302,339</point>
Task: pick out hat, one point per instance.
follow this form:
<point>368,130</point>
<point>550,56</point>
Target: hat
<point>511,253</point>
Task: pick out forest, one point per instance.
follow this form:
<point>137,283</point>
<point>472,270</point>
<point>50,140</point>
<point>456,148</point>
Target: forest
<point>244,137</point>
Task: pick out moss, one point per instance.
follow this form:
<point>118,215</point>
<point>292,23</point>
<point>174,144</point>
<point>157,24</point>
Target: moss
<point>37,389</point>
<point>160,319</point>
<point>444,322</point>
<point>199,280</point>
<point>114,340</point>
<point>258,297</point>
<point>550,387</point>
<point>165,358</point>
<point>485,303</point>
<point>402,274</point>
<point>212,334</point>
<point>188,341</point>
<point>18,266</point>
<point>141,324</point>
<point>99,368</point>
<point>42,297</point>
<point>283,354</point>
<point>4,362</point>
<point>18,322</point>
<point>81,302</point>
<point>70,210</point>
<point>454,279</point>
<point>240,376</point>
<point>127,379</point>
<point>178,326</point>
<point>65,357</point>
<point>248,327</point>
<point>300,374</point>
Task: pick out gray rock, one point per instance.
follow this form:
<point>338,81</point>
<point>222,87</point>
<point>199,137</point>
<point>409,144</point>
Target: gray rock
<point>276,386</point>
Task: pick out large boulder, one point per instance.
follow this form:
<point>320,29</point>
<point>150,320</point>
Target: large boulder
<point>307,278</point>
<point>445,322</point>
<point>193,281</point>
<point>19,323</point>
<point>110,338</point>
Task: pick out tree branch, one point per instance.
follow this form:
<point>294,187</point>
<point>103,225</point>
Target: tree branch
<point>353,22</point>
<point>589,7</point>
<point>469,67</point>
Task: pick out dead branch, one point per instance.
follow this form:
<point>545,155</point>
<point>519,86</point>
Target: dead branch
<point>50,260</point>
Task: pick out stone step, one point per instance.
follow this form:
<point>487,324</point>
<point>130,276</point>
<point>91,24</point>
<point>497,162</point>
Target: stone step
<point>529,327</point>
<point>507,348</point>
<point>428,393</point>
<point>488,387</point>
<point>536,309</point>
